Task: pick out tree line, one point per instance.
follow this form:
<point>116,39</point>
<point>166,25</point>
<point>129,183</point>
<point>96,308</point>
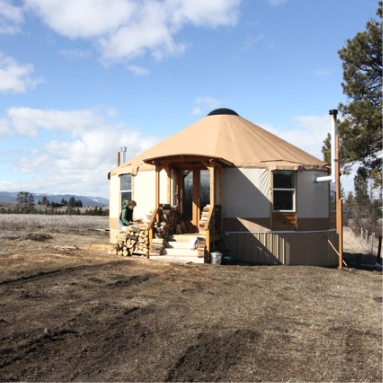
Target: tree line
<point>26,205</point>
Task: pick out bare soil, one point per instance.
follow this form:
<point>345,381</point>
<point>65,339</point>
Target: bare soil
<point>71,312</point>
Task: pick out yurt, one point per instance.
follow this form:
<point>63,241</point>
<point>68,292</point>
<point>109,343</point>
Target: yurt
<point>246,192</point>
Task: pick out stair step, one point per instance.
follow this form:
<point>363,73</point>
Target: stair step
<point>180,252</point>
<point>177,245</point>
<point>177,258</point>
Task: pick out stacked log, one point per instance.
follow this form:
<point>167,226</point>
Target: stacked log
<point>158,245</point>
<point>142,245</point>
<point>201,246</point>
<point>204,217</point>
<point>135,240</point>
<point>168,218</point>
<point>165,228</point>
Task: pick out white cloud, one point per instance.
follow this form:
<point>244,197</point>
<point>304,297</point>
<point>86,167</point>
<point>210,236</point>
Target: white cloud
<point>28,121</point>
<point>4,128</point>
<point>125,29</point>
<point>137,70</point>
<point>212,13</point>
<point>15,77</point>
<point>85,18</point>
<point>197,111</point>
<point>10,17</point>
<point>80,161</point>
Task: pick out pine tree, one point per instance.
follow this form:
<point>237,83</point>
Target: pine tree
<point>361,129</point>
<point>25,201</point>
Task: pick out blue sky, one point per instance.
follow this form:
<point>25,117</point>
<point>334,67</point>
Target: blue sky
<point>81,78</point>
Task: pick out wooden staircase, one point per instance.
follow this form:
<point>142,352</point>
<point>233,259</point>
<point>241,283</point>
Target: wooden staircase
<point>178,249</point>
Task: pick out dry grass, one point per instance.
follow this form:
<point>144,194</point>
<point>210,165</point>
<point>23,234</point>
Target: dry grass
<point>83,315</point>
<point>30,221</point>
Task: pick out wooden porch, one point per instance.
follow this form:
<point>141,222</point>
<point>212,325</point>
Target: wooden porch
<point>205,222</point>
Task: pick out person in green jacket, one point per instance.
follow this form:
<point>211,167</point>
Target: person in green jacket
<point>126,216</point>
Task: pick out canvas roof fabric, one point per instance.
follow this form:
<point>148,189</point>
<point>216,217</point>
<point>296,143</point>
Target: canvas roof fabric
<point>231,139</point>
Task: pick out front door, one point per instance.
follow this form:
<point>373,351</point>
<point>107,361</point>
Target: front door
<point>196,194</point>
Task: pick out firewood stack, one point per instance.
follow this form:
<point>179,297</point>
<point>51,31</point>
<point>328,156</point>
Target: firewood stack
<point>204,217</point>
<point>166,227</point>
<point>135,240</point>
<point>200,246</point>
<point>158,245</point>
<point>168,217</point>
<point>142,245</point>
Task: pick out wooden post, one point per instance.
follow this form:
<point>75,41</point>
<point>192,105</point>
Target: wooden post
<point>212,183</point>
<point>157,190</point>
<point>339,212</point>
<point>207,247</point>
<point>169,174</point>
<point>196,198</point>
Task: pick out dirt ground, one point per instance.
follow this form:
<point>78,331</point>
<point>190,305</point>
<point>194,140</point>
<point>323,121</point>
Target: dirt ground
<point>76,313</point>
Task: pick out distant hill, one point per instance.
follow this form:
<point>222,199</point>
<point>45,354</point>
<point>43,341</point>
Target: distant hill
<point>86,201</point>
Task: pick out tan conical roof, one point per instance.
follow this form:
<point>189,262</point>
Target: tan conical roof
<point>232,139</point>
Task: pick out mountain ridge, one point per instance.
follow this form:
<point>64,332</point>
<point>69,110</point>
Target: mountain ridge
<point>86,201</point>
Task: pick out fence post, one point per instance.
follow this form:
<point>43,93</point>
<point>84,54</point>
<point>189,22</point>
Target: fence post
<point>366,237</point>
<point>378,256</point>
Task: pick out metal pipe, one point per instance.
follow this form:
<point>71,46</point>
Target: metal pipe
<point>123,150</point>
<point>331,178</point>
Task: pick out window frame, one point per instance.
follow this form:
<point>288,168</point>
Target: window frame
<point>291,189</point>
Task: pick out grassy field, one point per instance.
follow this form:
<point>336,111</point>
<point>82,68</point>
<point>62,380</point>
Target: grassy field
<point>36,221</point>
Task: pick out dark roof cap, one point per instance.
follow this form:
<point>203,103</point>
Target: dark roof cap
<point>219,111</point>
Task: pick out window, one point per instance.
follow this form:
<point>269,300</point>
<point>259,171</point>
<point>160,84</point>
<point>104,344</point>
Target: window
<point>125,188</point>
<point>283,190</point>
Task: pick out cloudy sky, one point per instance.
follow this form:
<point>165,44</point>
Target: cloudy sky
<point>81,78</point>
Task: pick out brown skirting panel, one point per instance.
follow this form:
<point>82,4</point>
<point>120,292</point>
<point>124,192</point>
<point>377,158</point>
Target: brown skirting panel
<point>285,221</point>
<point>287,248</point>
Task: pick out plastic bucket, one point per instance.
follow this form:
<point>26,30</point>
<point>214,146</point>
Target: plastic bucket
<point>216,258</point>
